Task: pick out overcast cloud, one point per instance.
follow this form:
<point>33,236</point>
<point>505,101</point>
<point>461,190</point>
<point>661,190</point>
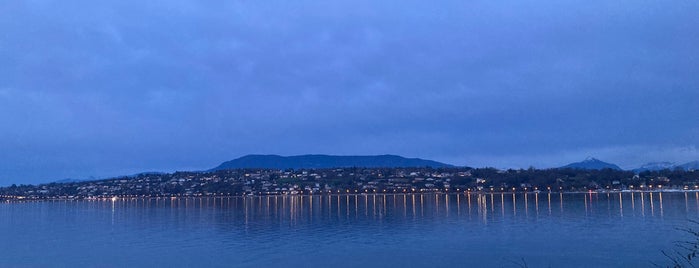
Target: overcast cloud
<point>105,88</point>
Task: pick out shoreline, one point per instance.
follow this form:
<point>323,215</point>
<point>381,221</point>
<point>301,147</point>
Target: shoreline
<point>10,199</point>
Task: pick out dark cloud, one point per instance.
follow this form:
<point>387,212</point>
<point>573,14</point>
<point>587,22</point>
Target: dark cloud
<point>108,88</point>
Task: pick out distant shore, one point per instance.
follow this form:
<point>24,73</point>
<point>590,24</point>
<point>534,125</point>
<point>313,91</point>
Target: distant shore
<point>121,197</point>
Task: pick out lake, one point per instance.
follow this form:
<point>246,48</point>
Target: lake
<point>411,230</point>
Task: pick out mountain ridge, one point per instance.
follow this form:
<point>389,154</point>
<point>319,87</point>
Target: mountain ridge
<point>654,166</point>
<point>693,165</point>
<point>592,163</point>
<point>657,166</point>
<point>326,161</point>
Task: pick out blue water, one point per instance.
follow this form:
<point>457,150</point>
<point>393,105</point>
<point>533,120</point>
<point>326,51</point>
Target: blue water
<point>429,230</point>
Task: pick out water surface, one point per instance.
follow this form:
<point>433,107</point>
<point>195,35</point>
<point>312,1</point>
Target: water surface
<point>420,230</point>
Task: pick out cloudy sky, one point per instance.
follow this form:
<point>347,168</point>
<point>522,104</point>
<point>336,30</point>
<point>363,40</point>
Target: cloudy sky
<point>105,88</point>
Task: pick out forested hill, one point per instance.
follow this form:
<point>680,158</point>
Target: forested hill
<point>327,161</point>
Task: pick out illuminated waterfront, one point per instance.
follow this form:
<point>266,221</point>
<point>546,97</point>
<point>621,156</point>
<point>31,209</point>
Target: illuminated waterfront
<point>426,230</point>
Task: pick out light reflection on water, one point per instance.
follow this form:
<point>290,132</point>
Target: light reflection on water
<point>427,230</point>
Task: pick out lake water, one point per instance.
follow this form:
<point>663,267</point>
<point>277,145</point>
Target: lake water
<point>421,230</point>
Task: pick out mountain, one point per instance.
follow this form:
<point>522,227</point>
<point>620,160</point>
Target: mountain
<point>326,161</point>
<point>694,165</point>
<point>69,180</point>
<point>74,180</point>
<point>655,166</point>
<point>92,178</point>
<point>146,174</point>
<point>592,163</point>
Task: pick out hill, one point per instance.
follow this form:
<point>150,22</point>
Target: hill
<point>592,164</point>
<point>694,165</point>
<point>326,161</point>
<point>655,166</point>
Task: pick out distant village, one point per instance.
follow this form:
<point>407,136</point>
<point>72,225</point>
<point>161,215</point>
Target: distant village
<point>238,182</point>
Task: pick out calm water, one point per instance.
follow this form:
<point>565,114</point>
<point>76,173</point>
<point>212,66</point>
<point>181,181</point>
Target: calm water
<point>430,230</point>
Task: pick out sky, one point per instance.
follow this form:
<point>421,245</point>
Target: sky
<point>93,89</point>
